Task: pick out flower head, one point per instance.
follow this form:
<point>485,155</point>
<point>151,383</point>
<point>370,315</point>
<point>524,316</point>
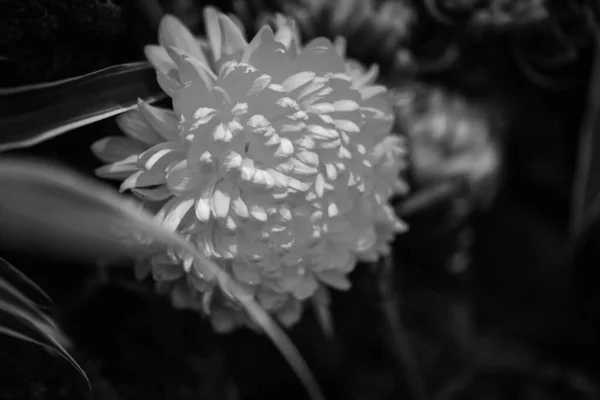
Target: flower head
<point>276,160</point>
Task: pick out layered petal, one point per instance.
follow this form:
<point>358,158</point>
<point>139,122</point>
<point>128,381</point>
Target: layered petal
<point>277,161</point>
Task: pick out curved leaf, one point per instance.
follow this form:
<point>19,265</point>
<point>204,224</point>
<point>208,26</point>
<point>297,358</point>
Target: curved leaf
<point>33,114</point>
<point>51,208</point>
<point>22,319</point>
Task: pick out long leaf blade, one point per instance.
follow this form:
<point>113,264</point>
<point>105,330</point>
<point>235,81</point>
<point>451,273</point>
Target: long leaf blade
<point>585,202</point>
<point>22,319</point>
<point>33,114</point>
<point>52,202</point>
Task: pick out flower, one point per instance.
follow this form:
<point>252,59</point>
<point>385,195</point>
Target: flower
<point>452,140</point>
<point>277,161</point>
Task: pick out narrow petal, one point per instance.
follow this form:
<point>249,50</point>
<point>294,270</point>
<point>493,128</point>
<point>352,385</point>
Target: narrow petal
<point>189,98</point>
<point>334,279</point>
<point>161,156</point>
<point>233,38</point>
<point>159,194</point>
<point>164,121</point>
<point>181,179</point>
<point>119,170</point>
<point>339,43</point>
<point>368,92</point>
<point>237,21</point>
<point>265,35</point>
<point>297,80</point>
<point>213,31</point>
<point>221,199</point>
<point>134,125</point>
<point>290,314</point>
<point>369,77</point>
<point>142,179</point>
<point>114,148</point>
<point>174,212</point>
<point>307,288</point>
<point>159,58</point>
<point>203,205</point>
<point>172,32</point>
<point>190,68</point>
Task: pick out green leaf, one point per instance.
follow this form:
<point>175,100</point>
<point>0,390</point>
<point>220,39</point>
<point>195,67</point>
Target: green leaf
<point>22,319</point>
<point>586,189</point>
<point>33,114</point>
<point>50,208</point>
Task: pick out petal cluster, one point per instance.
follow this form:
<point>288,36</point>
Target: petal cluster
<point>277,161</point>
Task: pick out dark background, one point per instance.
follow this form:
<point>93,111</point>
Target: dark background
<point>522,321</point>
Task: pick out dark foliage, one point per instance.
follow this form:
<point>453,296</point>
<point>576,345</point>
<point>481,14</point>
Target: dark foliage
<point>524,309</point>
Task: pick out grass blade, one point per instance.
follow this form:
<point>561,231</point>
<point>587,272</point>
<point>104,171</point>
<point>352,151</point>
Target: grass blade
<point>33,114</point>
<point>16,276</point>
<point>22,319</point>
<point>586,190</point>
<point>43,202</point>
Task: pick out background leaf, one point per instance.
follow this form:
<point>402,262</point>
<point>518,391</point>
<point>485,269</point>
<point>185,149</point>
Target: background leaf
<point>35,113</point>
<point>50,208</point>
<point>586,191</point>
<point>22,319</point>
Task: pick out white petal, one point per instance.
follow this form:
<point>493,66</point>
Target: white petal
<point>119,170</point>
<point>191,69</point>
<point>171,32</point>
<point>181,179</point>
<point>142,179</point>
<point>159,194</point>
<point>168,83</point>
<point>114,148</point>
<point>221,199</point>
<point>297,80</point>
<point>322,133</point>
<point>203,206</point>
<point>258,212</point>
<point>346,105</point>
<point>233,38</point>
<point>368,92</point>
<point>239,207</point>
<point>319,185</point>
<point>174,212</point>
<point>159,58</point>
<point>134,125</point>
<point>164,121</point>
<point>222,133</point>
<point>213,30</point>
<point>346,125</point>
<point>340,45</point>
<point>320,108</point>
<point>334,279</point>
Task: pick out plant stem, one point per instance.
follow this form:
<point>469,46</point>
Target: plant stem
<point>406,362</point>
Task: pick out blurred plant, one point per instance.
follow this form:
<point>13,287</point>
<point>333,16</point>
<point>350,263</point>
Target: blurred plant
<point>455,157</point>
<point>488,13</point>
<point>508,381</point>
<point>280,170</point>
<point>450,140</point>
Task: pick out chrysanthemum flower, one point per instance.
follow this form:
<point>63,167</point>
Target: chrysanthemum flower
<point>277,161</point>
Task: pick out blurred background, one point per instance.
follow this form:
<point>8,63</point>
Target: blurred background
<point>488,295</point>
